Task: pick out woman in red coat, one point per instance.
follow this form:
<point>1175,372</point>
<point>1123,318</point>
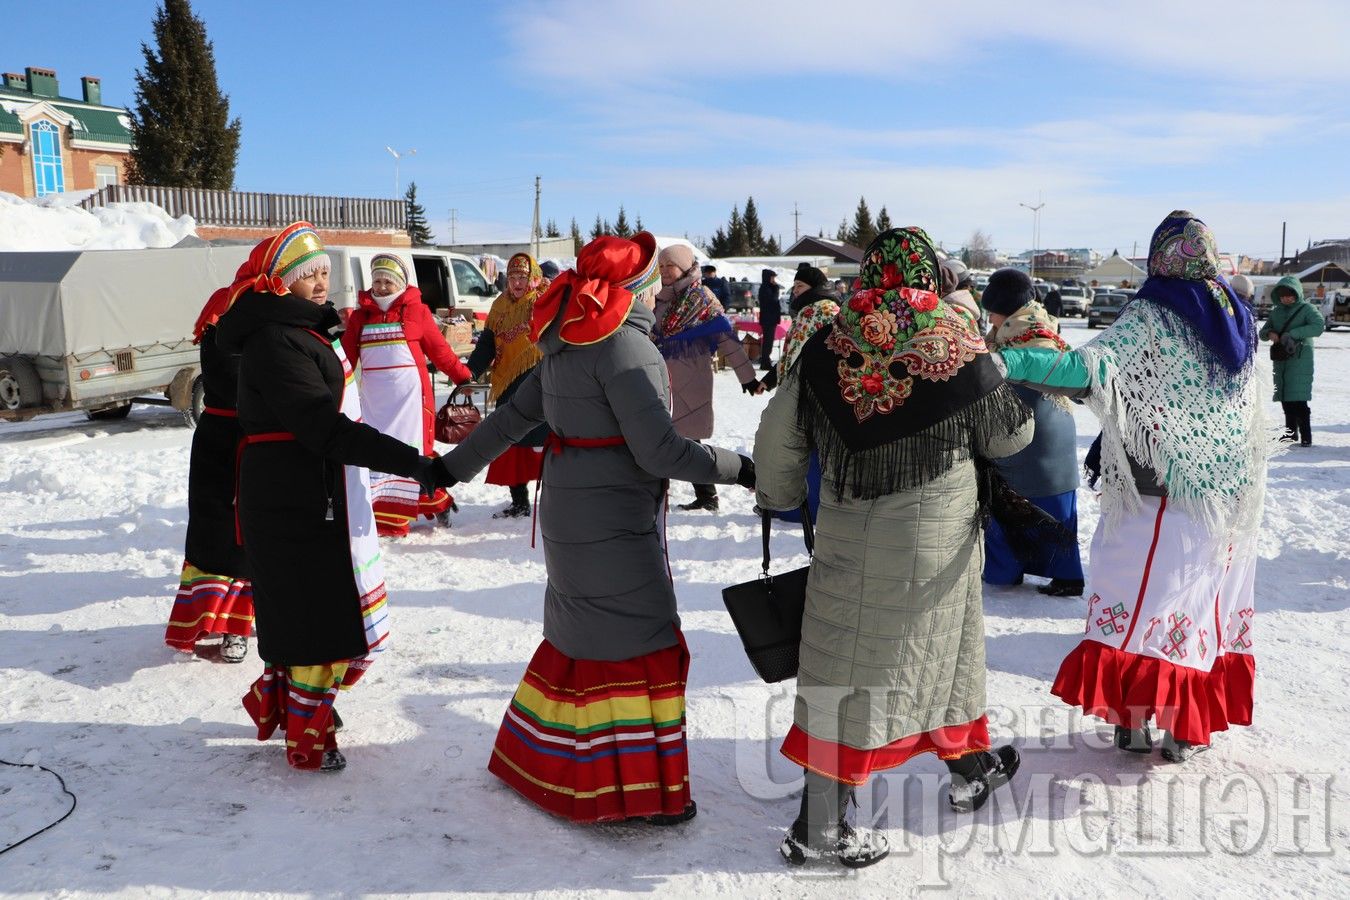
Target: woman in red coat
<point>393,334</point>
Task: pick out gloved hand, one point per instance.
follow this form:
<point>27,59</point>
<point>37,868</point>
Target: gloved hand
<point>770,379</point>
<point>746,476</point>
<point>751,387</point>
<point>425,473</point>
<point>442,474</point>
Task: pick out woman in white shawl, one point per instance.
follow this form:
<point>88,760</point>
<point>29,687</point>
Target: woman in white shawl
<point>1182,469</point>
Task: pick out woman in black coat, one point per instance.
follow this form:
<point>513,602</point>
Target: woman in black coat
<point>304,510</point>
<point>214,594</point>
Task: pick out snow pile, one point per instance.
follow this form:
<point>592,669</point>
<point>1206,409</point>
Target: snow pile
<point>57,223</point>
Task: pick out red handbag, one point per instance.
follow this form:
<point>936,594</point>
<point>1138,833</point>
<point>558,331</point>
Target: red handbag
<point>456,419</point>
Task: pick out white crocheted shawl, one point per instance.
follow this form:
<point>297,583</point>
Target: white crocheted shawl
<point>1208,437</point>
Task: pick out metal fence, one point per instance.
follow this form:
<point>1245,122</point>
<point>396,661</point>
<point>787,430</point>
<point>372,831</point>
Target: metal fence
<point>249,209</point>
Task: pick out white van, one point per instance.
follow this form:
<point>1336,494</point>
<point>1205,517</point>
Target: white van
<point>451,283</point>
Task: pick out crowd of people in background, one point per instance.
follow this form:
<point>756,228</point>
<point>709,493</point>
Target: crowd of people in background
<point>928,433</point>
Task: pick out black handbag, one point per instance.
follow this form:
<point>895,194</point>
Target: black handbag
<point>767,612</point>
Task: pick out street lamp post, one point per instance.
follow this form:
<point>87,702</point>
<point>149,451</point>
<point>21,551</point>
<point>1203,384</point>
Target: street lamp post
<point>398,156</point>
<point>1035,234</point>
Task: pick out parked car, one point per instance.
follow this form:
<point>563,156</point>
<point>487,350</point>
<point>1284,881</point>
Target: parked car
<point>1335,308</point>
<point>1074,300</point>
<point>1106,306</point>
<point>451,283</point>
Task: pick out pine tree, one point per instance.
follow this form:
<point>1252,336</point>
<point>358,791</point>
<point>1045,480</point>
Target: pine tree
<point>577,242</point>
<point>863,228</point>
<point>754,232</point>
<point>418,230</point>
<point>718,246</point>
<point>884,221</point>
<point>737,245</point>
<point>637,224</point>
<point>841,234</point>
<point>771,247</point>
<point>621,227</point>
<point>181,132</point>
<point>551,229</point>
<point>599,228</point>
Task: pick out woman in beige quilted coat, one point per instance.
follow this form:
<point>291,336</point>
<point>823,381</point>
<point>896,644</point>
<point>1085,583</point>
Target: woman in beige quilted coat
<point>902,402</point>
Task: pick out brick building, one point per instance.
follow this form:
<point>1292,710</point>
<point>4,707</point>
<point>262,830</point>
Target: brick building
<point>50,144</point>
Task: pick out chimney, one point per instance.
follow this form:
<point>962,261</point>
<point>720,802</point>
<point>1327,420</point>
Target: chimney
<point>42,82</point>
<point>93,91</point>
<point>15,82</point>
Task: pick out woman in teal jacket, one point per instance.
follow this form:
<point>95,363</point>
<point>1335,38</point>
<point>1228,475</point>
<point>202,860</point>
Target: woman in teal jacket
<point>1292,325</point>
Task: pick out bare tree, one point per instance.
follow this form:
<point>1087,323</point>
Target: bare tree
<point>980,251</point>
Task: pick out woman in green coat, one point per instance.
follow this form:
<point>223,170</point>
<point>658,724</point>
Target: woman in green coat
<point>1292,325</point>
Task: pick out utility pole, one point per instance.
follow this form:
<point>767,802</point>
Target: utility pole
<point>1035,234</point>
<point>534,229</point>
<point>1284,228</point>
<point>796,221</point>
<point>452,224</point>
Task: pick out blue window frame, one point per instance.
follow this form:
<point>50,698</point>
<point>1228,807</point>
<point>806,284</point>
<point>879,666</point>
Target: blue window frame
<point>48,173</point>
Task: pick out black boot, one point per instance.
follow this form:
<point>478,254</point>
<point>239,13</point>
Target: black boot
<point>1134,740</point>
<point>1305,426</point>
<point>1291,418</point>
<point>705,497</point>
<point>664,819</point>
<point>1175,751</point>
<point>820,831</point>
<point>976,775</point>
<point>520,503</point>
<point>1062,587</point>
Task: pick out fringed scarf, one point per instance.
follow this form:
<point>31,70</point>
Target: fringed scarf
<point>898,388</point>
<point>509,322</point>
<point>692,323</point>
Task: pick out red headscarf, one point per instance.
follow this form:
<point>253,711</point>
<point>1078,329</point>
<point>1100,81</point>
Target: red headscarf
<point>258,273</point>
<point>595,297</point>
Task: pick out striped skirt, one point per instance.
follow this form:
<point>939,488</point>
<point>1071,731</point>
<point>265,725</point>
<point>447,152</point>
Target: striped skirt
<point>597,741</point>
<point>299,701</point>
<point>208,604</point>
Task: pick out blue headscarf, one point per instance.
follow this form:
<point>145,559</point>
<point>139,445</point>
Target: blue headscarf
<point>1183,270</point>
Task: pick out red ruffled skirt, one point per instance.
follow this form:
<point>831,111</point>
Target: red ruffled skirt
<point>1127,690</point>
<point>596,741</point>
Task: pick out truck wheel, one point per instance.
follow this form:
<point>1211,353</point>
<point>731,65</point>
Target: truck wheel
<point>110,414</point>
<point>197,408</point>
<point>19,383</point>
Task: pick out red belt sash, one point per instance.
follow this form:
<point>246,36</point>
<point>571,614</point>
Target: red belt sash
<point>554,443</point>
<point>221,411</point>
<point>265,437</point>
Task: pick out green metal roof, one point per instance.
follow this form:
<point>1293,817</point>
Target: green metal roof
<point>95,123</point>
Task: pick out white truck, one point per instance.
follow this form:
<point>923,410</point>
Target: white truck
<point>99,330</point>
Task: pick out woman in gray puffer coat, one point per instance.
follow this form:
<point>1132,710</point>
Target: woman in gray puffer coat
<point>611,669</point>
<point>690,329</point>
<point>902,403</point>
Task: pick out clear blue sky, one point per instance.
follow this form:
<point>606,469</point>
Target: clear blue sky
<point>950,115</point>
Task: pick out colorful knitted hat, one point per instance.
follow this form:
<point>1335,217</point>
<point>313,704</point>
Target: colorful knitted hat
<point>296,252</point>
<point>390,266</point>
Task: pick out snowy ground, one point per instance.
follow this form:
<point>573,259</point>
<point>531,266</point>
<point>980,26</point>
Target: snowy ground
<point>177,798</point>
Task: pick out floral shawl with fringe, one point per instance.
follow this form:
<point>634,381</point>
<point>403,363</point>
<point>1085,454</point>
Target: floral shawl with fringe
<point>899,387</point>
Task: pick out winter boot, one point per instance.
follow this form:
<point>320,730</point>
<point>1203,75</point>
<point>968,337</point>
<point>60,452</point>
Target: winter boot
<point>233,648</point>
<point>1134,740</point>
<point>664,819</point>
<point>520,503</point>
<point>1305,426</point>
<point>705,497</point>
<point>1175,751</point>
<point>337,721</point>
<point>333,761</point>
<point>820,831</point>
<point>1290,425</point>
<point>1062,587</point>
<point>976,775</point>
<point>443,517</point>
